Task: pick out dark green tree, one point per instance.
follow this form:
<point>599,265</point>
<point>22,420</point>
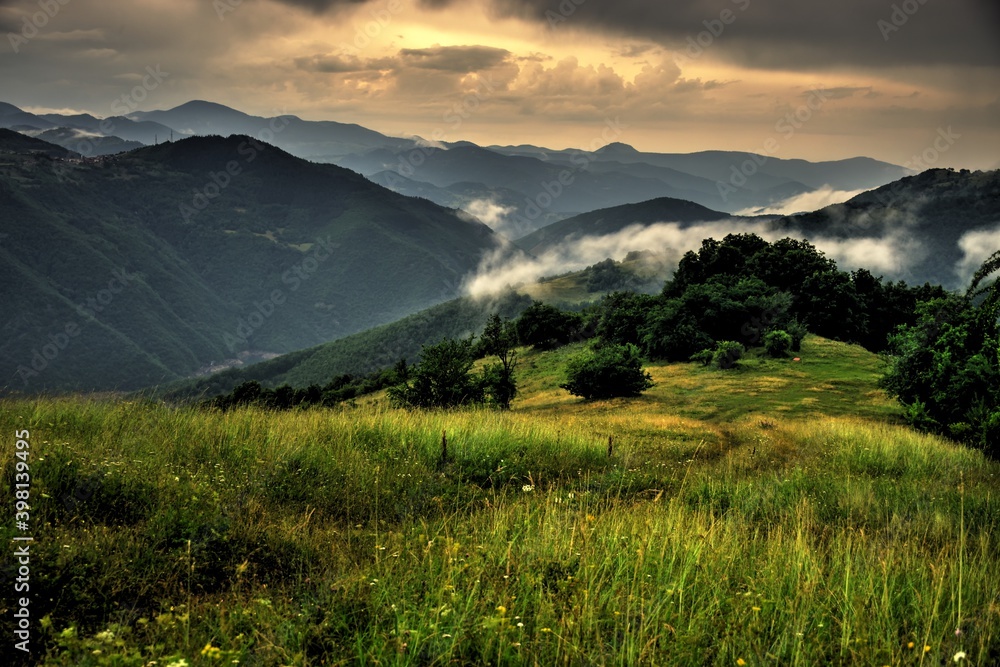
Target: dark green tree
<point>946,368</point>
<point>546,327</point>
<point>442,379</point>
<point>499,339</point>
<point>606,372</point>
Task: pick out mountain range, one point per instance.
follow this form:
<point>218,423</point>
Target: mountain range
<point>524,187</point>
<point>185,257</point>
<point>147,266</point>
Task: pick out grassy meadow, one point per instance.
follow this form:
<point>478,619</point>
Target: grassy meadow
<point>775,514</point>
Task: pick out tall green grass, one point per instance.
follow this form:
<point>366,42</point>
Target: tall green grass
<point>344,537</point>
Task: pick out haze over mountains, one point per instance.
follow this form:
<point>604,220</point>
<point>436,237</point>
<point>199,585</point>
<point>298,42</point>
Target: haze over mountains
<point>521,187</point>
<point>172,257</point>
<point>219,248</point>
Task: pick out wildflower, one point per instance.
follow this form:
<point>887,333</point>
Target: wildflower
<point>528,488</point>
<point>927,649</point>
<point>740,662</point>
<point>959,657</point>
<point>181,662</point>
<point>107,636</point>
<point>546,629</point>
<point>502,609</point>
<point>211,652</point>
<point>910,645</point>
<point>754,608</point>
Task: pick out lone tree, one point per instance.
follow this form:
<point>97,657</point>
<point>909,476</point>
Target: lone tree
<point>607,372</point>
<point>499,339</point>
<point>441,379</point>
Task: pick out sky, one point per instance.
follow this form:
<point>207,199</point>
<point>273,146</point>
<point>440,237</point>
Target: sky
<point>820,80</point>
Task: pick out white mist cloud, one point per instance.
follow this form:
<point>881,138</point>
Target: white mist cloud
<point>428,143</point>
<point>807,201</point>
<point>889,255</point>
<point>489,212</point>
<point>976,247</point>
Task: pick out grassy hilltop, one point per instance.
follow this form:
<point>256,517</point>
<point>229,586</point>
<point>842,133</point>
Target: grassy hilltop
<point>775,514</point>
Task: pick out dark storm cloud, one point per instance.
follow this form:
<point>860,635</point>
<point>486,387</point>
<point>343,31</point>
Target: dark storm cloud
<point>796,34</point>
<point>787,34</point>
<point>455,58</point>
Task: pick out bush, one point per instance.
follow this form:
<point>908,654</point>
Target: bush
<point>704,357</point>
<point>797,331</point>
<point>442,379</point>
<point>727,354</point>
<point>777,344</point>
<point>607,372</point>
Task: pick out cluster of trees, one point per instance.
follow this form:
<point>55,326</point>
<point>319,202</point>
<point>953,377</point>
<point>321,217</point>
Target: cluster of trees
<point>444,377</point>
<point>945,368</point>
<point>342,388</point>
<point>743,289</point>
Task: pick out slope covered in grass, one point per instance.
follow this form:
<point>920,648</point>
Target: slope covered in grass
<point>773,515</point>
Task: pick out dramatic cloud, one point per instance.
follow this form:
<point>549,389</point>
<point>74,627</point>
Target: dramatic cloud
<point>684,76</point>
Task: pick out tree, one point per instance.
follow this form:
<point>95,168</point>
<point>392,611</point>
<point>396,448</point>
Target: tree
<point>499,339</point>
<point>946,368</point>
<point>442,379</point>
<point>546,327</point>
<point>607,372</point>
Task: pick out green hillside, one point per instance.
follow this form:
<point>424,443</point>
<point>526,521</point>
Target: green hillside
<point>360,353</point>
<point>776,514</point>
<point>201,253</point>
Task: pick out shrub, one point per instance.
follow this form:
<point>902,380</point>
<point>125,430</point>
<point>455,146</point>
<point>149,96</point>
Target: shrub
<point>777,343</point>
<point>607,372</point>
<point>704,357</point>
<point>797,331</point>
<point>727,354</point>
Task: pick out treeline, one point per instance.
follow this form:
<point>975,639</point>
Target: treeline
<point>342,388</point>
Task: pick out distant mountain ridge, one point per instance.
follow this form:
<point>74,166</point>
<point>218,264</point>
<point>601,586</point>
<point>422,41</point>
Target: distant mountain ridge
<point>180,256</point>
<point>613,220</point>
<point>934,220</point>
<point>524,187</point>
